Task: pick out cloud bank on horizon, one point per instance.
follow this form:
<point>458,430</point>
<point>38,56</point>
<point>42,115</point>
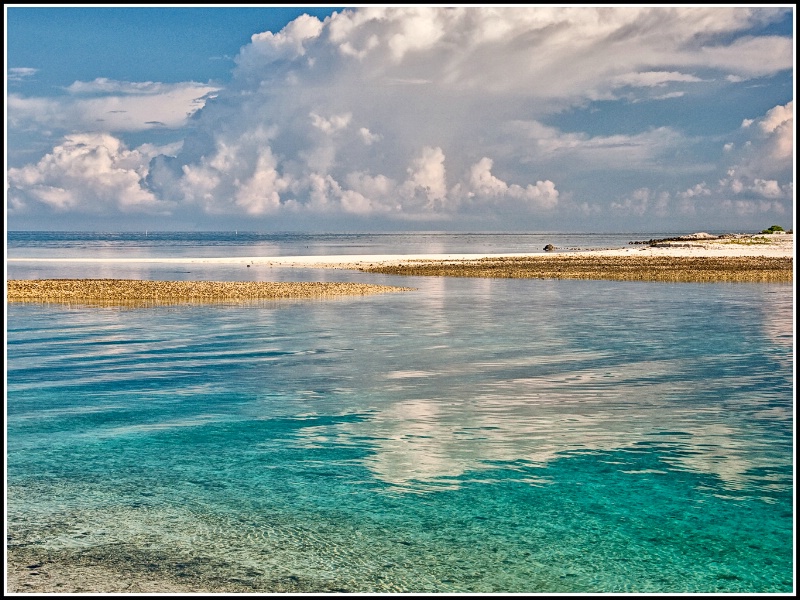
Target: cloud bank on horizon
<point>436,118</point>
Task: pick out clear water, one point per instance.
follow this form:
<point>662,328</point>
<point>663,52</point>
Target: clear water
<point>474,435</point>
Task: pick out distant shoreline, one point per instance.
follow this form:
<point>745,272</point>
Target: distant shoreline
<point>757,258</point>
<point>741,258</point>
<point>774,245</point>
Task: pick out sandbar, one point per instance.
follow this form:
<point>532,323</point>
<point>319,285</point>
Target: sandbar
<point>619,268</point>
<point>142,292</point>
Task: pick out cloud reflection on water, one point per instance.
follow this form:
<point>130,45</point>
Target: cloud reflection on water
<point>430,443</point>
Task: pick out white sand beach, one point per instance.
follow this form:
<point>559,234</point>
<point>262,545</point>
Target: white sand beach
<point>770,246</point>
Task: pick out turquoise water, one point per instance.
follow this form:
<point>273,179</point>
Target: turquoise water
<point>473,435</point>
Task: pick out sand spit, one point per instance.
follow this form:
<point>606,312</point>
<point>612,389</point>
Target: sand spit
<point>592,266</point>
<point>137,292</point>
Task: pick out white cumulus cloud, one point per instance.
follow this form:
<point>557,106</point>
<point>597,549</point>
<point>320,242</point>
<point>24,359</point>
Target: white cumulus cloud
<point>88,172</point>
<point>762,163</point>
<point>426,113</point>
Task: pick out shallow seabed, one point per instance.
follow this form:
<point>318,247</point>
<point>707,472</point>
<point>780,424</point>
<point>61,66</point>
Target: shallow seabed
<point>471,436</point>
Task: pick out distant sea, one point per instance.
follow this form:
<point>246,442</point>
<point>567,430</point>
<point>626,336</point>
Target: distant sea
<point>247,243</point>
<point>473,435</point>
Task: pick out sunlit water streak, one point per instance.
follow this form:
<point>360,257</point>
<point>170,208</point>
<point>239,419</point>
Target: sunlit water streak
<point>473,435</point>
<point>33,244</point>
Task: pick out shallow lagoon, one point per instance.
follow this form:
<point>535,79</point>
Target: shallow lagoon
<point>473,435</point>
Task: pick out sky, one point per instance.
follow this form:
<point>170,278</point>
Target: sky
<point>646,118</point>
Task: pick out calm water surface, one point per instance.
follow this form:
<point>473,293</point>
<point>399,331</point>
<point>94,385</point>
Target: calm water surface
<point>473,435</point>
<point>38,244</point>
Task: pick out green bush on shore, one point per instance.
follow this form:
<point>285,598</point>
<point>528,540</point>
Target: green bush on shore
<point>772,229</point>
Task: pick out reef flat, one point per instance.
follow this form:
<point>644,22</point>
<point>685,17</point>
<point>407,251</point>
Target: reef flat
<point>137,291</point>
<point>593,266</point>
